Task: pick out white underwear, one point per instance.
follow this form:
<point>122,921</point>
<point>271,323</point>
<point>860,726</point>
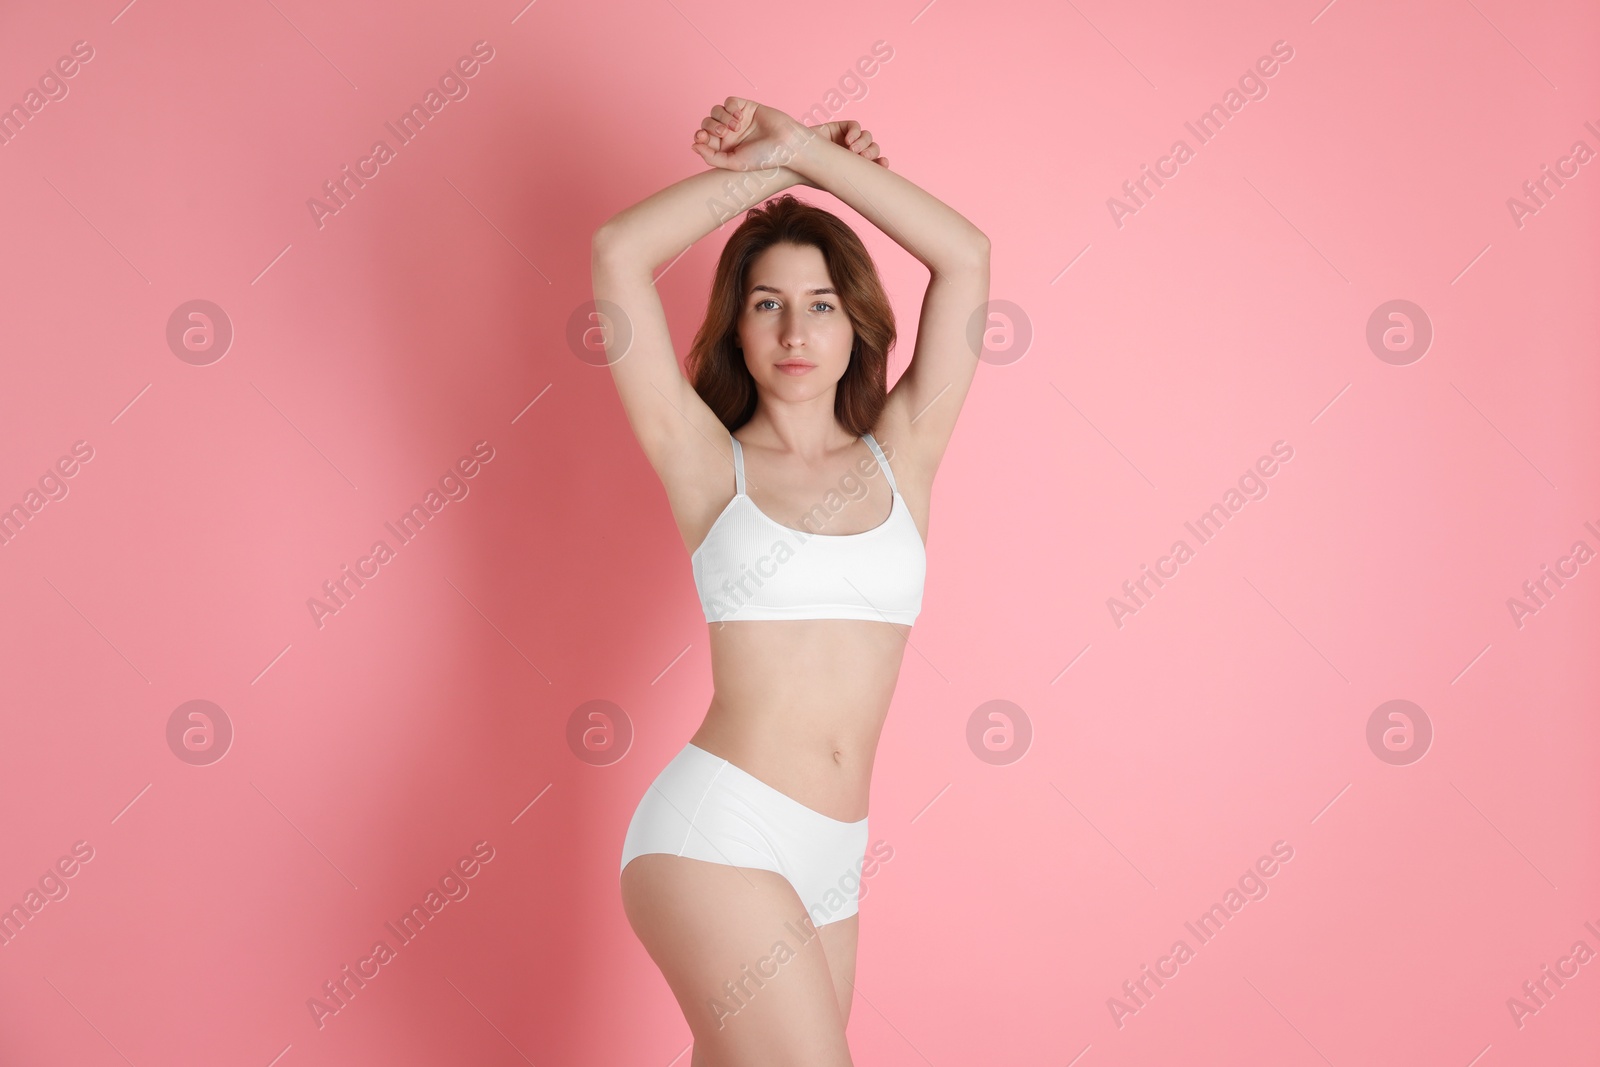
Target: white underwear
<point>703,807</point>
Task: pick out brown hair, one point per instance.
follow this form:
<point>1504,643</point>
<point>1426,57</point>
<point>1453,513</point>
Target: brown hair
<point>716,368</point>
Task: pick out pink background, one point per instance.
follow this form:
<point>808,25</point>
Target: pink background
<point>432,712</point>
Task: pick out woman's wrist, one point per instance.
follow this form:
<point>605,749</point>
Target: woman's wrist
<point>802,155</point>
<point>794,177</point>
<point>792,146</point>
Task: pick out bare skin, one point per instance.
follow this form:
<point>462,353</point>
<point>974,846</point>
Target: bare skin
<point>799,704</point>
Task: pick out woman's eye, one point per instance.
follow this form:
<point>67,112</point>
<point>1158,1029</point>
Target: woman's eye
<point>819,303</point>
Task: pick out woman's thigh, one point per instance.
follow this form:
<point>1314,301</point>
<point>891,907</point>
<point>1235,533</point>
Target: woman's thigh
<point>741,957</point>
<point>839,945</point>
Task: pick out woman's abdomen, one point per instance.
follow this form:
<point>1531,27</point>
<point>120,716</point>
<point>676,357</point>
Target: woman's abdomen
<point>800,705</point>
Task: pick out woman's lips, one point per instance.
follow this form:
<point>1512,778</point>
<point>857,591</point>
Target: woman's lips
<point>796,369</point>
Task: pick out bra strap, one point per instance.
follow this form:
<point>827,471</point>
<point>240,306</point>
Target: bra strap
<point>738,466</point>
<point>883,461</point>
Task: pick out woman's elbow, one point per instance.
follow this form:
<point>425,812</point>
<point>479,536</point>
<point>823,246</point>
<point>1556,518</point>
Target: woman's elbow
<point>974,251</point>
<point>604,238</point>
<point>610,238</point>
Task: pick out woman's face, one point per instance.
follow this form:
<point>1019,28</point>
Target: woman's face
<point>791,315</point>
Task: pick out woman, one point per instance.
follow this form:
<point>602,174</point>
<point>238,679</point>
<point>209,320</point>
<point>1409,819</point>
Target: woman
<point>741,866</point>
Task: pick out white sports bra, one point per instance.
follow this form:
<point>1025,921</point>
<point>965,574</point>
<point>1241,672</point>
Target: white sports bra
<point>752,567</point>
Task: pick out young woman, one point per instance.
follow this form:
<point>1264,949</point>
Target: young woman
<point>741,866</point>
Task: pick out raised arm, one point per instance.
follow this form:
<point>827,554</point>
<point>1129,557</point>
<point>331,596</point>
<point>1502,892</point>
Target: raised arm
<point>928,397</point>
<point>666,414</point>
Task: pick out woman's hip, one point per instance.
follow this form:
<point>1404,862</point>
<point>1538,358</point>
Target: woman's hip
<point>704,807</point>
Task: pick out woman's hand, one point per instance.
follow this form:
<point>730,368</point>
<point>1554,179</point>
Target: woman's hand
<point>744,135</point>
<point>847,133</point>
<point>741,134</point>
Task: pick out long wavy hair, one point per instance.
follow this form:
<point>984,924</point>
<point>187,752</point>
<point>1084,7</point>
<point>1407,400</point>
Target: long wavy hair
<point>716,368</point>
